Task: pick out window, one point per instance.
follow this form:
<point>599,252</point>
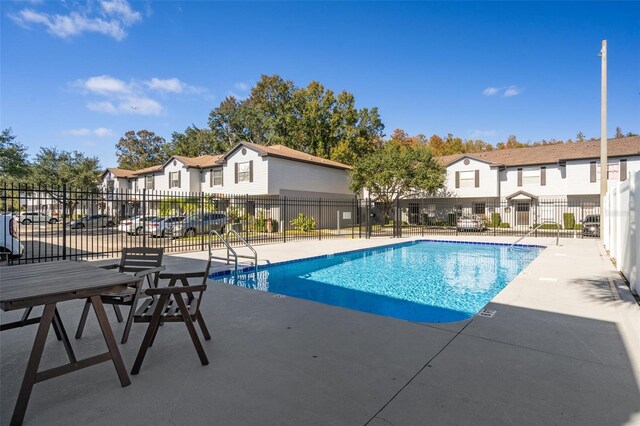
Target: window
<point>613,171</point>
<point>110,185</point>
<point>244,172</point>
<point>468,179</point>
<point>174,180</point>
<point>148,182</point>
<point>543,176</point>
<point>530,177</point>
<point>216,177</point>
<point>479,208</point>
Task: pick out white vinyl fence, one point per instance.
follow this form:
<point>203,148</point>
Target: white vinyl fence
<point>621,228</point>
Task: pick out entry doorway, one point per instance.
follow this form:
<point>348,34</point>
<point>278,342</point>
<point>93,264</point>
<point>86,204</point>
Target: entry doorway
<point>522,212</point>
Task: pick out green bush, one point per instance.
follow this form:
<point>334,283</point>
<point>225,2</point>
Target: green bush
<point>505,225</point>
<point>569,220</point>
<point>496,220</point>
<point>304,223</point>
<point>578,227</point>
<point>547,226</point>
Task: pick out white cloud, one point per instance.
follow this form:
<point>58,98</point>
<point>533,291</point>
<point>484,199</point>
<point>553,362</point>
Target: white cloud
<point>122,10</point>
<point>241,86</point>
<point>113,18</point>
<point>107,107</point>
<point>512,91</point>
<point>104,85</point>
<point>172,85</point>
<point>490,91</point>
<point>103,132</point>
<point>140,106</point>
<point>507,92</point>
<point>77,132</point>
<point>477,133</point>
<point>133,97</point>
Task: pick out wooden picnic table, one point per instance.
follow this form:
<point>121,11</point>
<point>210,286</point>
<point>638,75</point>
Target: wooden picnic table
<point>26,286</point>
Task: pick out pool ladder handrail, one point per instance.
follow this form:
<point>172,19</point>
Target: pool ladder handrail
<point>246,244</point>
<point>535,228</point>
<point>229,250</point>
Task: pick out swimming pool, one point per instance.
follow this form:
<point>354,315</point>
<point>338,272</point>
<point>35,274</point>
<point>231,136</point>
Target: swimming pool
<point>425,281</point>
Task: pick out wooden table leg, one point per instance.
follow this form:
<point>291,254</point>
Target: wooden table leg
<point>32,365</point>
<point>63,336</point>
<point>98,307</point>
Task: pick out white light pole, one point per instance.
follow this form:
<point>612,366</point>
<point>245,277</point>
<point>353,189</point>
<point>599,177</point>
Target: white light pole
<point>603,135</point>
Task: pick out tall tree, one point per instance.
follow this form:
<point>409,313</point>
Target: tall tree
<point>53,168</point>
<point>512,142</point>
<point>137,150</point>
<point>396,171</point>
<point>580,137</point>
<point>312,119</point>
<point>14,163</point>
<point>194,142</point>
<point>619,133</point>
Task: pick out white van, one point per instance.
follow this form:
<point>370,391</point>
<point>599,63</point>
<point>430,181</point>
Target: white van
<point>9,243</point>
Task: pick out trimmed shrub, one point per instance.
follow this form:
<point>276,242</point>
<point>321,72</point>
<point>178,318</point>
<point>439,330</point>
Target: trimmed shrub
<point>578,227</point>
<point>304,223</point>
<point>569,220</point>
<point>547,226</point>
<point>496,220</point>
<point>505,225</point>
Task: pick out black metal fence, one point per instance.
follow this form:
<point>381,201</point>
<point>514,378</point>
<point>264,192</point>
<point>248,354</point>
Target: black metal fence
<point>65,223</point>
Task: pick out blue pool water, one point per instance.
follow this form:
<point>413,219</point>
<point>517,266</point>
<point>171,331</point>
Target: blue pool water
<point>425,281</point>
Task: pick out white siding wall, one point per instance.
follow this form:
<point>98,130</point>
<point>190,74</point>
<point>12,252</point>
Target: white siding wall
<point>572,179</point>
<point>119,184</point>
<point>286,175</point>
<point>555,187</point>
<point>488,179</point>
<point>260,175</point>
<point>187,182</point>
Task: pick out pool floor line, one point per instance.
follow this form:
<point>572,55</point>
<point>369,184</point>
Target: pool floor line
<point>419,371</point>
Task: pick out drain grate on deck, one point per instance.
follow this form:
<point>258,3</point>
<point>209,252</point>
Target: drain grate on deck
<point>487,313</point>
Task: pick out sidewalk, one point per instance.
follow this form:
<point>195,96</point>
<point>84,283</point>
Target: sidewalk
<point>562,348</point>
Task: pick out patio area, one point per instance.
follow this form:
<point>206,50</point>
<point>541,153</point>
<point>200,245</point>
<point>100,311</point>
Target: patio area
<point>563,347</point>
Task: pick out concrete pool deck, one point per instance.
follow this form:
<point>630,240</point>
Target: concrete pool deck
<point>563,347</point>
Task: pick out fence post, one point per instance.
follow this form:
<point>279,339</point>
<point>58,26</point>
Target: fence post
<point>202,218</point>
<point>144,214</point>
<point>367,223</point>
<point>284,219</point>
<point>64,221</point>
<point>353,216</point>
<point>320,219</point>
<point>399,216</point>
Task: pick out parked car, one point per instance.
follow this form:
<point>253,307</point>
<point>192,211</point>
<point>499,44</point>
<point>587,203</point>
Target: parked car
<point>9,243</point>
<point>26,218</point>
<point>93,221</point>
<point>470,223</point>
<point>591,225</point>
<point>162,226</point>
<point>134,224</point>
<point>200,224</point>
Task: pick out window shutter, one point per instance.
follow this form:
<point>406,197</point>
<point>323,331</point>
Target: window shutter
<point>457,179</point>
<point>543,176</point>
<point>236,172</point>
<point>592,177</point>
<point>623,169</point>
<point>477,179</point>
<point>519,177</point>
<point>170,173</point>
<point>251,171</point>
<point>210,178</point>
<point>179,179</point>
<point>221,176</point>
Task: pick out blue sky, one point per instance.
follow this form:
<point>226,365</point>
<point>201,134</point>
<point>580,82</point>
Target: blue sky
<point>77,75</point>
